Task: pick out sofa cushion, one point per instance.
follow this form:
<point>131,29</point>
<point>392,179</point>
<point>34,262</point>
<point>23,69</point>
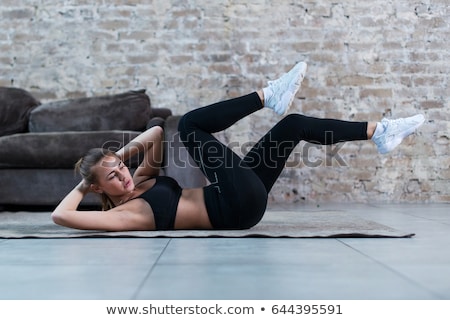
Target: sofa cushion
<point>58,150</point>
<point>126,111</point>
<point>15,107</point>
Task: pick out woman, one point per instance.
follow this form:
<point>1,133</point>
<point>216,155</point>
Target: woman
<point>236,197</point>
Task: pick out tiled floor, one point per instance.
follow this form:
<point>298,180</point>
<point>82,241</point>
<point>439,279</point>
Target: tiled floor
<point>246,268</point>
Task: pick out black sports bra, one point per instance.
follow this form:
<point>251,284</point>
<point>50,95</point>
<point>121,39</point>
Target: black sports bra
<point>163,198</point>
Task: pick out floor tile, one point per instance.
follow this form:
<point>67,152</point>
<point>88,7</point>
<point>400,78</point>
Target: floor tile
<point>71,282</point>
<point>423,262</point>
<point>280,282</point>
<point>114,251</point>
<point>272,269</point>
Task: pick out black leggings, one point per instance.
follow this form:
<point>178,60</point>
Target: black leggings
<point>237,195</point>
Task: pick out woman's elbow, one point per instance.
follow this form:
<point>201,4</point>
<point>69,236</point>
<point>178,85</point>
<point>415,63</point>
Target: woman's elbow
<point>58,217</point>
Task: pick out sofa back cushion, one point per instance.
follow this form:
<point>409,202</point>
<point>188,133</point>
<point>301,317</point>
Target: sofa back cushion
<point>58,150</point>
<point>126,111</point>
<point>15,107</point>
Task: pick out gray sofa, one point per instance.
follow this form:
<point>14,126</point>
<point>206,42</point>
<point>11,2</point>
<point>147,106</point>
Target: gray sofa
<point>40,143</point>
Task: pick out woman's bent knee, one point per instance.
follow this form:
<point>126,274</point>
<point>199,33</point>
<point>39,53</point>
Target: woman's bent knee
<point>185,126</point>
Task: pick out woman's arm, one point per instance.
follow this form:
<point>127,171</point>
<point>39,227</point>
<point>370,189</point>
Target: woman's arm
<point>133,215</point>
<point>73,199</point>
<point>150,144</point>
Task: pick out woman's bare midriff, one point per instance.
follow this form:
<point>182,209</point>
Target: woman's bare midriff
<point>191,211</point>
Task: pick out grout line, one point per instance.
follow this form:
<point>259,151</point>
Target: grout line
<point>427,218</point>
<point>418,216</point>
<point>134,296</point>
<point>401,275</point>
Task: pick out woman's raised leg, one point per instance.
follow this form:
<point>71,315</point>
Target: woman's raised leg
<point>236,197</point>
<point>268,157</point>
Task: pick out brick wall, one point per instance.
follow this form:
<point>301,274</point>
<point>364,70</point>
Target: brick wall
<point>367,59</point>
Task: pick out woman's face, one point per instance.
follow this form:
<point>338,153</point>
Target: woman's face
<point>113,177</point>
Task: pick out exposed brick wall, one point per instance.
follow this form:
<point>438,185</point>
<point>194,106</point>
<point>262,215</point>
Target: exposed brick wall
<point>367,59</point>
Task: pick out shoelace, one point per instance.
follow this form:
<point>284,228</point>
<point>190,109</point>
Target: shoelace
<point>276,87</point>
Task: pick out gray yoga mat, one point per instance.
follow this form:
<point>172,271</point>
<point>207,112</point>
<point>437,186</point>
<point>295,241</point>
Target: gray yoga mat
<point>289,224</point>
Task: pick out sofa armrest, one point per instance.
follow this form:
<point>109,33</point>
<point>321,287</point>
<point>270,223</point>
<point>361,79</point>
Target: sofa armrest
<point>178,164</point>
<point>163,113</point>
<point>156,121</point>
<point>159,116</point>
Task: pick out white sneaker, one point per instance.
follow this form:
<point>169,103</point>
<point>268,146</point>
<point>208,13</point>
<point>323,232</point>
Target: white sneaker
<point>280,93</point>
<point>393,132</point>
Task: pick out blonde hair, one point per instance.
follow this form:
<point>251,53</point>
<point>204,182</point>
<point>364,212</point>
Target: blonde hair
<point>84,167</point>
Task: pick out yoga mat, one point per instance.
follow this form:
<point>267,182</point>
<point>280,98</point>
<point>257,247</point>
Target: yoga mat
<point>275,224</point>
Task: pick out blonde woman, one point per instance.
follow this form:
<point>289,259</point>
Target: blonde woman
<point>236,197</point>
